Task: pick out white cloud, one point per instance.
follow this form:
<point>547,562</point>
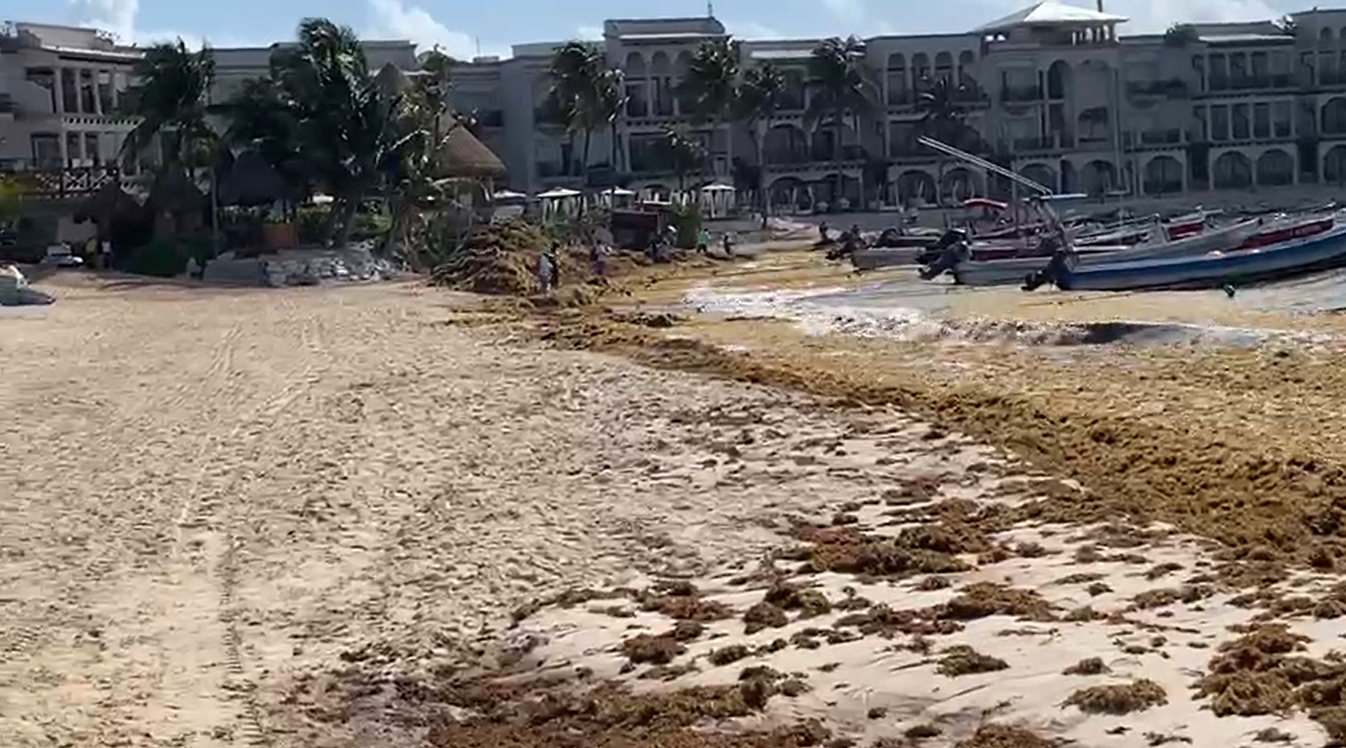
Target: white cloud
<point>116,16</point>
<point>589,33</point>
<point>393,19</point>
<point>119,17</point>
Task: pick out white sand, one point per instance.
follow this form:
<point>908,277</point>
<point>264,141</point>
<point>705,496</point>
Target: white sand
<point>208,492</point>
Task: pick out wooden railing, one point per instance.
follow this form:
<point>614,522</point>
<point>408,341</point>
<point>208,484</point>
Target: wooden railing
<point>62,183</point>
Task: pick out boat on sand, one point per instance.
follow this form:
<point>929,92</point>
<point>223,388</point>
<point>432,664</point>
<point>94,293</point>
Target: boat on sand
<point>1299,256</point>
<point>1007,272</point>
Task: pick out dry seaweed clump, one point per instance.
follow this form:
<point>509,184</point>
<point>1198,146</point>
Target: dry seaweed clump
<point>764,615</point>
<point>987,599</point>
<point>922,550</point>
<point>1087,666</point>
<point>681,601</point>
<point>609,715</point>
<point>501,259</point>
<point>964,660</point>
<point>1260,673</point>
<point>788,596</point>
<point>1135,696</point>
<point>1004,736</point>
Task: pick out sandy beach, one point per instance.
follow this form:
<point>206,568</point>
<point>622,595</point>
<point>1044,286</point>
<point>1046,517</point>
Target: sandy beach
<point>369,515</point>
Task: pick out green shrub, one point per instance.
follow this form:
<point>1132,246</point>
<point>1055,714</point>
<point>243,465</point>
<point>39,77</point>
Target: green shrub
<point>310,224</point>
<point>370,224</point>
<point>686,222</point>
<point>161,258</point>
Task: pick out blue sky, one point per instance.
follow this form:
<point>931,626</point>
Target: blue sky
<point>464,27</point>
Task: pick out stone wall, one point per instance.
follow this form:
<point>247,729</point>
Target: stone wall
<point>299,267</point>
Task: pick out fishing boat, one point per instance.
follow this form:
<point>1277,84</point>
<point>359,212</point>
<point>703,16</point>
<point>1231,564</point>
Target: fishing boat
<point>1007,272</point>
<point>1298,256</point>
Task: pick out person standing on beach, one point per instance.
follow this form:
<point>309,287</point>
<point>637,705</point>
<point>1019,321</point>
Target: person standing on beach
<point>599,257</point>
<point>555,255</point>
<point>546,272</point>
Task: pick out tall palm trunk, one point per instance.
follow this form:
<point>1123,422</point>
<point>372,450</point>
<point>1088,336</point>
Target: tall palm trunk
<point>759,150</point>
<point>855,122</point>
<point>837,152</point>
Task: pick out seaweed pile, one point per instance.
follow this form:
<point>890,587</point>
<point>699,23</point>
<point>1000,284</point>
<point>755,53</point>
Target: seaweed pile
<point>1272,504</point>
<point>500,259</point>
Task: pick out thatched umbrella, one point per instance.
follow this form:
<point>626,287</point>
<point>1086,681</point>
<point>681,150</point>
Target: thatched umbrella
<point>251,181</point>
<point>462,155</point>
<point>390,80</point>
<point>176,197</point>
<point>102,206</point>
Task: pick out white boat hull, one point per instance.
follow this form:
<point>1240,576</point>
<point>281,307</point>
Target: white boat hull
<point>1007,272</point>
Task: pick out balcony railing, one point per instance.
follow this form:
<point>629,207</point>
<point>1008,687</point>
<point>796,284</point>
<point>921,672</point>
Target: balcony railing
<point>1331,77</point>
<point>1170,136</point>
<point>1026,145</point>
<point>1021,93</point>
<point>801,156</point>
<point>71,182</point>
<point>1171,89</point>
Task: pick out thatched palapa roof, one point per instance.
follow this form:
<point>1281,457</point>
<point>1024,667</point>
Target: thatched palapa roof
<point>462,155</point>
<point>110,200</point>
<point>250,180</point>
<point>174,192</point>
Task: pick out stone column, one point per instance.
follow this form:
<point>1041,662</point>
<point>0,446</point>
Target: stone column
<point>97,84</point>
<point>60,93</point>
<point>64,151</point>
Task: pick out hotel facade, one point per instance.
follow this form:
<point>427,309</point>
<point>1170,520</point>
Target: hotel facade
<point>1058,92</point>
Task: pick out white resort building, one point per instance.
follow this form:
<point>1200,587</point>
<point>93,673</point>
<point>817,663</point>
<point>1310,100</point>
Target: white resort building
<point>1056,91</point>
<point>60,88</point>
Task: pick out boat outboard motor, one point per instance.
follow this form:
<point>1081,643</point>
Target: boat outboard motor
<point>1058,267</point>
<point>955,250</point>
<point>935,252</point>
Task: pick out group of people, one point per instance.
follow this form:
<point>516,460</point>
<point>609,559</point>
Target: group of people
<point>549,264</point>
<point>658,250</point>
<point>850,241</point>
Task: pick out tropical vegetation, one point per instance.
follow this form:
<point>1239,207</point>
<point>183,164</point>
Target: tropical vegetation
<point>844,93</point>
<point>321,121</point>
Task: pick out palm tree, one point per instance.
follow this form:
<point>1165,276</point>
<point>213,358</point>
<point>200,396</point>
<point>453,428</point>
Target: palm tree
<point>758,99</point>
<point>680,152</point>
<point>576,72</point>
<point>260,119</point>
<point>843,89</point>
<point>710,85</point>
<point>943,119</point>
<point>170,101</point>
<point>610,100</point>
<point>436,77</point>
<point>347,124</point>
